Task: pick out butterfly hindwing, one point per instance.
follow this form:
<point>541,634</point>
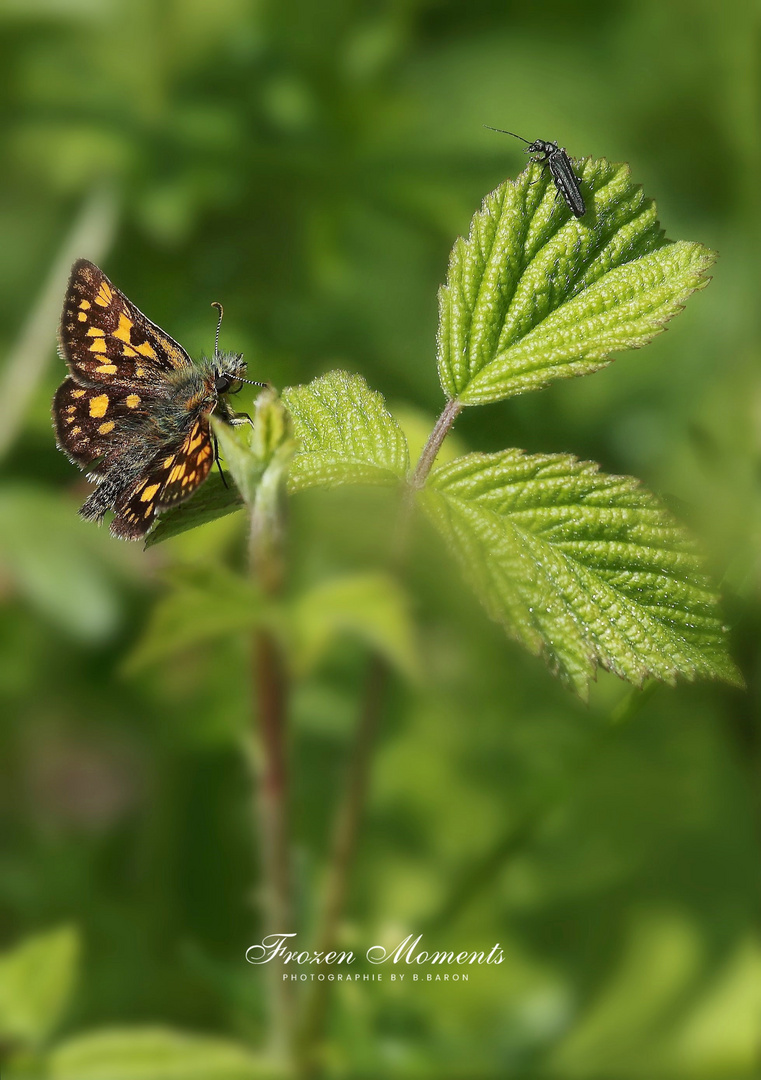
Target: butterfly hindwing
<point>88,419</point>
<point>104,338</point>
<point>172,476</point>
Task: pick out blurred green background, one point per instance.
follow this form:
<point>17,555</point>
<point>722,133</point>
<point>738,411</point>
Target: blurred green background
<point>309,165</point>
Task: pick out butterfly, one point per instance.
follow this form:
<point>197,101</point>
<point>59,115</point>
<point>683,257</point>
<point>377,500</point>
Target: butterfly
<point>134,410</point>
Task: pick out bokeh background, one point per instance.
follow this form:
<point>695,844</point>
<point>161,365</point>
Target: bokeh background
<point>309,165</point>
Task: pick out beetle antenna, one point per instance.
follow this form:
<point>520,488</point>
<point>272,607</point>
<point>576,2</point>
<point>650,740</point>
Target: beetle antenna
<point>221,311</point>
<point>503,132</point>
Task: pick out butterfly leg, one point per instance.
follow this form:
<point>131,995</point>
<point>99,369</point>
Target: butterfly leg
<point>241,418</point>
<point>215,444</point>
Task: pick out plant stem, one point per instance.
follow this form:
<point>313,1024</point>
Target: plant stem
<point>441,429</point>
<point>351,807</point>
<point>272,813</point>
<point>271,695</point>
<point>345,834</point>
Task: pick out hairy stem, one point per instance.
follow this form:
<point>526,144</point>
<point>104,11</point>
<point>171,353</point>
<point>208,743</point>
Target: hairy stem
<point>272,813</point>
<point>271,761</point>
<point>441,429</point>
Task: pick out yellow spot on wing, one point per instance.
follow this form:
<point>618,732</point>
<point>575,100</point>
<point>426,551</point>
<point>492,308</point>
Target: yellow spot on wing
<point>95,331</point>
<point>176,473</point>
<point>107,369</point>
<point>77,393</point>
<point>146,349</point>
<point>108,426</point>
<point>149,492</point>
<point>82,316</point>
<point>139,372</point>
<point>168,461</point>
<point>98,405</point>
<point>85,305</point>
<point>123,329</point>
<point>132,401</point>
<point>75,430</point>
<point>99,345</point>
<point>127,351</point>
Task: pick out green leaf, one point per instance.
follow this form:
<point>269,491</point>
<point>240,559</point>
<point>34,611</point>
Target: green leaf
<point>213,500</point>
<point>156,1053</point>
<point>36,981</point>
<point>535,294</point>
<point>371,607</point>
<point>584,568</point>
<point>346,435</point>
<point>200,607</point>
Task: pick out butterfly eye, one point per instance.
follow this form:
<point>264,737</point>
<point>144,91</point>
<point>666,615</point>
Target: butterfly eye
<point>222,383</point>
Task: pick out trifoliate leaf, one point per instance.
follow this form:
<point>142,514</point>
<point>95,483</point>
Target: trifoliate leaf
<point>156,1053</point>
<point>346,435</point>
<point>584,568</point>
<point>535,294</point>
<point>36,981</point>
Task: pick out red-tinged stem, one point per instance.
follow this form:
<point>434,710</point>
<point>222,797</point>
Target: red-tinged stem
<point>272,811</point>
<point>441,429</point>
<point>271,762</point>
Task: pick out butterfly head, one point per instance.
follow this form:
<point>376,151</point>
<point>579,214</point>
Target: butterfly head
<point>229,372</point>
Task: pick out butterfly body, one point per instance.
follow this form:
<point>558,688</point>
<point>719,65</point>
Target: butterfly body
<point>134,410</point>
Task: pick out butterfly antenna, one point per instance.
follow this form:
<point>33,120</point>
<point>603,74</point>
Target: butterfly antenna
<point>221,311</point>
<point>252,382</point>
<point>503,132</point>
<point>238,378</point>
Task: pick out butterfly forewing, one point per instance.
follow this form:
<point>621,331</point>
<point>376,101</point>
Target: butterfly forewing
<point>191,464</point>
<point>104,338</point>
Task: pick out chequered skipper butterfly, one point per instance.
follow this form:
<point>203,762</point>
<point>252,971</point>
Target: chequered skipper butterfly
<point>135,409</point>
